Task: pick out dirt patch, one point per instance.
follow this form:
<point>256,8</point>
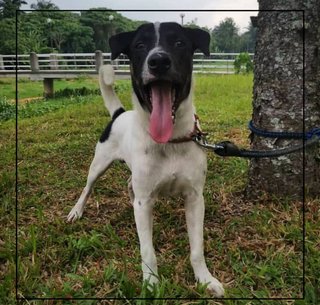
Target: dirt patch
<point>30,99</point>
<point>26,100</point>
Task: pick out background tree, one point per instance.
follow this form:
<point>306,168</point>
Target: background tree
<point>226,35</point>
<point>61,31</point>
<point>55,31</point>
<point>31,42</point>
<point>78,38</point>
<point>192,24</point>
<point>248,39</point>
<point>104,27</point>
<point>8,25</point>
<point>8,7</point>
<point>8,37</point>
<point>278,95</point>
<point>227,38</point>
<point>44,5</point>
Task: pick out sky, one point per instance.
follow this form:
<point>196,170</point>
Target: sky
<point>209,19</point>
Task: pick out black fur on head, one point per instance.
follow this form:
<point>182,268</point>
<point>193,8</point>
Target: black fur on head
<point>178,42</point>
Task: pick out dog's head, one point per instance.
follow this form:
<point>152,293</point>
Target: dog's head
<point>161,69</point>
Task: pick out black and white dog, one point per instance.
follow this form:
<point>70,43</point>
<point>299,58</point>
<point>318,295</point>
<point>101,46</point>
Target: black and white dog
<point>161,71</point>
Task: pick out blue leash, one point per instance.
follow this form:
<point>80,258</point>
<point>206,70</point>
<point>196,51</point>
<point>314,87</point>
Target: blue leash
<point>284,135</point>
<point>229,149</point>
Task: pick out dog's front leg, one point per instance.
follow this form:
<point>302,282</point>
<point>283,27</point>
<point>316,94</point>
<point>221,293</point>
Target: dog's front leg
<point>144,221</point>
<point>103,158</point>
<point>194,206</point>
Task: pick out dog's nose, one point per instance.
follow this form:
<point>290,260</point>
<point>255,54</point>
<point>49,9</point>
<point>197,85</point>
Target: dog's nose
<point>159,63</point>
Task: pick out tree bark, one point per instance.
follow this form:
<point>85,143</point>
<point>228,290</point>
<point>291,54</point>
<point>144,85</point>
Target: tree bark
<point>278,102</point>
<point>312,93</point>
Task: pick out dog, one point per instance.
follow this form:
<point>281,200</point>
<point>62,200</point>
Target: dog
<point>153,139</point>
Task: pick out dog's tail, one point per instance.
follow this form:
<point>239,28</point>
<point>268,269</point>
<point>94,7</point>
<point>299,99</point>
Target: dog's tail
<point>106,80</point>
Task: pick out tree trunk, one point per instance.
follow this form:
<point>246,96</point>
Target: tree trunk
<point>278,95</point>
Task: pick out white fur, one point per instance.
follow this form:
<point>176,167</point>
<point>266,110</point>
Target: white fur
<point>106,81</point>
<point>157,32</point>
<point>157,170</point>
<point>147,77</point>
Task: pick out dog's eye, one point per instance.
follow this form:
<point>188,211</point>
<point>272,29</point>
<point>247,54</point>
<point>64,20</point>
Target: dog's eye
<point>179,44</point>
<point>140,46</point>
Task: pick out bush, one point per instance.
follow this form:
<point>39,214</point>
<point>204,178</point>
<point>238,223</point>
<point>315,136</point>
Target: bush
<point>243,63</point>
<point>68,92</point>
<point>122,87</point>
<point>7,110</point>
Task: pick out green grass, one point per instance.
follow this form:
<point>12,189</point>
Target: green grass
<point>28,89</point>
<point>253,247</point>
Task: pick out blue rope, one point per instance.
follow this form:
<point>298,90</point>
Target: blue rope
<point>284,135</point>
<point>312,133</point>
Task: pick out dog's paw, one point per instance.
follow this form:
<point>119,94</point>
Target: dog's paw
<point>107,74</point>
<point>74,214</point>
<point>150,282</point>
<point>215,287</point>
<point>212,285</point>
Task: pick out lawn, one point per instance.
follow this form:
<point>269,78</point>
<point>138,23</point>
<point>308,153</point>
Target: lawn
<point>253,247</point>
<point>28,89</point>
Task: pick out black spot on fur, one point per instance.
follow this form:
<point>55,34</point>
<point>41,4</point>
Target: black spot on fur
<point>106,133</point>
<point>117,113</point>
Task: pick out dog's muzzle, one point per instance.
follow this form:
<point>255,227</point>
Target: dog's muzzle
<point>159,63</point>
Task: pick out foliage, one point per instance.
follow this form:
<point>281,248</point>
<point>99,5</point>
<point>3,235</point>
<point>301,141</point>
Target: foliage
<point>227,38</point>
<point>60,31</point>
<point>8,7</point>
<point>44,5</point>
<point>243,63</point>
<point>7,37</point>
<point>7,109</point>
<point>248,39</point>
<point>67,92</point>
<point>32,41</point>
<point>67,32</point>
<point>226,35</point>
<point>78,38</point>
<point>105,24</point>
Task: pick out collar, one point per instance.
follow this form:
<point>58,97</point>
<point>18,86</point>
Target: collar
<point>195,133</point>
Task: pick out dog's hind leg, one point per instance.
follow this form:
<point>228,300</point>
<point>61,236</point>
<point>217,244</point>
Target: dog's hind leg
<point>100,163</point>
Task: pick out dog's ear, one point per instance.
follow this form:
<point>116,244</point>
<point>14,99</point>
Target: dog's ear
<point>120,43</point>
<point>200,39</point>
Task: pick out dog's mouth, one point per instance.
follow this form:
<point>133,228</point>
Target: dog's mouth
<point>162,96</point>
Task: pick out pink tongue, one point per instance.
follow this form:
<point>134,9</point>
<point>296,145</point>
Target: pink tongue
<point>161,124</point>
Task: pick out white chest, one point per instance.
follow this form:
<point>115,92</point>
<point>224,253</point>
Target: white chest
<point>170,171</point>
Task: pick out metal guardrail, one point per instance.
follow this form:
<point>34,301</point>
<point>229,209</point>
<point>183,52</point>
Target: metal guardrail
<point>48,67</point>
<point>39,66</point>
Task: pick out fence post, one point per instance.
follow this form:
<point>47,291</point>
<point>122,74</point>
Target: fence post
<point>48,87</point>
<point>53,63</point>
<point>1,63</point>
<point>34,63</point>
<point>98,59</point>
